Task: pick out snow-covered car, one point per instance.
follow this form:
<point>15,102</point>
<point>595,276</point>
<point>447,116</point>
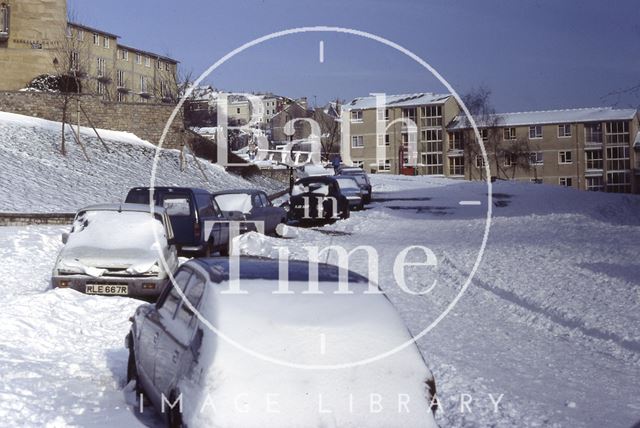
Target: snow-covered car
<point>253,205</point>
<point>317,200</point>
<point>362,178</point>
<point>350,188</point>
<point>313,170</point>
<point>216,358</point>
<point>115,250</point>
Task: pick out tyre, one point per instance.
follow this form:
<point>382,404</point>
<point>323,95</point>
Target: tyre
<point>132,369</point>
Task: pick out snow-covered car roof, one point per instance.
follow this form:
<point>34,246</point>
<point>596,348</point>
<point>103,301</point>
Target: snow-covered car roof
<point>145,208</point>
<point>299,328</point>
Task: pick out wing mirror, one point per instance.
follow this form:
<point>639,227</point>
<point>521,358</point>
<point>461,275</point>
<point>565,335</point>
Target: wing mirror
<point>65,237</point>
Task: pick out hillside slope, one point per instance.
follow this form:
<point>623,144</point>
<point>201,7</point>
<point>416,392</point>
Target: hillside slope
<point>36,177</point>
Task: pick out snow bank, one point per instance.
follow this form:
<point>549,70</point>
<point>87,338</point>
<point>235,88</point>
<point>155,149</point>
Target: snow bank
<point>36,177</point>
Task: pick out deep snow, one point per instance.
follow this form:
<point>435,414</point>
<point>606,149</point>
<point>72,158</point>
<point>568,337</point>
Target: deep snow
<point>551,319</point>
<point>36,177</point>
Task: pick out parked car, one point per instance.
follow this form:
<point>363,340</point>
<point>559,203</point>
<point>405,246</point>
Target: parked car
<point>211,354</point>
<point>362,178</point>
<point>318,199</point>
<point>313,170</point>
<point>115,250</point>
<point>350,187</point>
<point>189,209</point>
<point>253,205</point>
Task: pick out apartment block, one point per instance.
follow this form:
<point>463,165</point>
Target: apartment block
<point>595,149</point>
<point>429,112</point>
<point>590,149</point>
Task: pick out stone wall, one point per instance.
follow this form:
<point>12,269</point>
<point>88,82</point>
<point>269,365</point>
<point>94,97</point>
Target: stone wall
<point>146,120</point>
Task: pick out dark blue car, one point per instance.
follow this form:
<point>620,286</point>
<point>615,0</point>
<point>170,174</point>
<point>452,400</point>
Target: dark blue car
<point>189,209</point>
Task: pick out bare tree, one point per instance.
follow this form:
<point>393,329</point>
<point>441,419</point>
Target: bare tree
<point>330,131</point>
<point>505,156</point>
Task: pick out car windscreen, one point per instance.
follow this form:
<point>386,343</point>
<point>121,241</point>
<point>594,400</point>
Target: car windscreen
<point>348,184</point>
<point>111,230</point>
<point>234,202</point>
<point>313,188</point>
<point>138,196</point>
<point>177,205</point>
<point>361,179</point>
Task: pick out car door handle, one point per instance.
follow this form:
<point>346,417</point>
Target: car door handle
<point>155,337</point>
<point>176,354</point>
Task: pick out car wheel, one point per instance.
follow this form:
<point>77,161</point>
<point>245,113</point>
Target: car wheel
<point>361,206</point>
<point>175,415</point>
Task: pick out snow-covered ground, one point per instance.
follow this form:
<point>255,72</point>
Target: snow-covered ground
<point>551,322</point>
<point>36,177</point>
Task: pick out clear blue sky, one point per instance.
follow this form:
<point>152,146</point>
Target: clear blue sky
<point>532,54</point>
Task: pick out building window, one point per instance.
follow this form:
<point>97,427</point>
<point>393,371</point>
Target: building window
<point>101,88</point>
<point>124,54</point>
<point>455,141</point>
<point>595,184</point>
<point>618,159</point>
<point>122,97</point>
<point>617,132</point>
<point>484,133</point>
<point>431,116</point>
<point>96,39</point>
<point>566,181</point>
<point>159,65</point>
<point>358,164</point>
<point>480,163</point>
<point>384,140</point>
<point>69,32</point>
<point>431,135</point>
<point>618,182</point>
<point>75,61</point>
<point>143,84</point>
<point>565,157</point>
<point>81,35</point>
<point>166,66</point>
<point>536,158</point>
<point>5,12</point>
<point>122,79</point>
<point>510,160</point>
<point>564,130</point>
<point>409,114</point>
<point>535,132</point>
<point>384,165</point>
<point>593,159</point>
<point>101,67</point>
<point>357,141</point>
<point>105,42</point>
<point>383,114</point>
<point>593,133</point>
<point>356,116</point>
<point>456,166</point>
<point>147,61</point>
<point>536,180</point>
<point>433,162</point>
<point>509,133</point>
<point>138,58</point>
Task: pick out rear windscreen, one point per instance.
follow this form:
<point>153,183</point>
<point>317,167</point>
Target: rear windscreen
<point>177,205</point>
<point>138,197</point>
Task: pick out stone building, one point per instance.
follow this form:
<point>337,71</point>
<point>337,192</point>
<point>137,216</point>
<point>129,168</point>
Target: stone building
<point>37,39</point>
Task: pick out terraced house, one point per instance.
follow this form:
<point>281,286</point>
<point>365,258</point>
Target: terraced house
<point>595,149</point>
<point>37,39</point>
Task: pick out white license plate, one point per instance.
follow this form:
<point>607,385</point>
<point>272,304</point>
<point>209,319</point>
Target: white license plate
<point>115,290</point>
